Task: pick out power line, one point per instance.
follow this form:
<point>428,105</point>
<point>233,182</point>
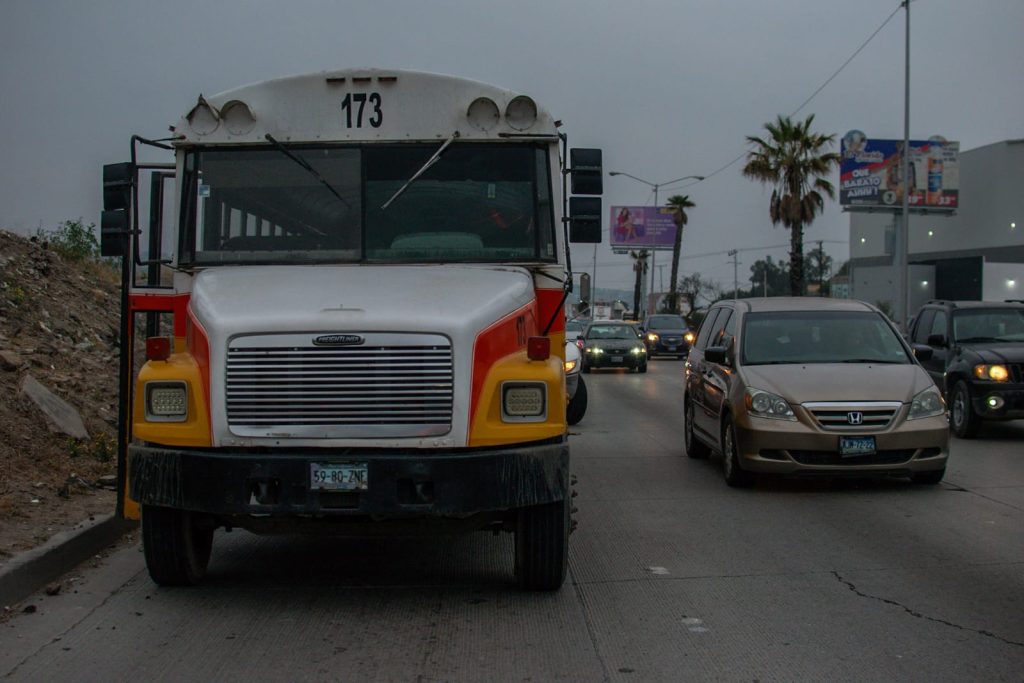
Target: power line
<point>821,87</point>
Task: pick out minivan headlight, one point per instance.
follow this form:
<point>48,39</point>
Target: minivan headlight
<point>928,403</point>
<point>766,404</point>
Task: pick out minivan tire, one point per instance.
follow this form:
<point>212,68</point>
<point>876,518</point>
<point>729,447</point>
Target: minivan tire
<point>695,448</point>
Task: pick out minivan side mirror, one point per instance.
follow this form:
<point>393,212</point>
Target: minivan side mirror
<point>716,354</point>
<point>922,352</point>
<point>937,340</point>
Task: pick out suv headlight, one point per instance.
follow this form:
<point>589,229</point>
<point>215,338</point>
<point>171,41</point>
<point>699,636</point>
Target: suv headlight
<point>766,404</point>
<point>995,373</point>
<point>652,337</point>
<point>928,403</point>
<point>166,401</point>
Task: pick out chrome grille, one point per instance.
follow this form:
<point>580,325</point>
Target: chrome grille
<point>390,385</point>
<point>836,415</point>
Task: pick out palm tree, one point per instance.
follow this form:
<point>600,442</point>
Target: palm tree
<point>793,161</point>
<point>679,203</point>
<point>640,268</point>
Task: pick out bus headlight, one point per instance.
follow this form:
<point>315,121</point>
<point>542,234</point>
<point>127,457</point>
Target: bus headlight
<point>523,402</point>
<point>166,401</point>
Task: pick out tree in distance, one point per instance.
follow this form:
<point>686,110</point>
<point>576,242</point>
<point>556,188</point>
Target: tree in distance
<point>640,268</point>
<point>679,203</point>
<point>794,162</point>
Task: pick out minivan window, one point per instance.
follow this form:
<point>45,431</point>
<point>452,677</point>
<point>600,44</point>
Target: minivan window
<point>706,327</point>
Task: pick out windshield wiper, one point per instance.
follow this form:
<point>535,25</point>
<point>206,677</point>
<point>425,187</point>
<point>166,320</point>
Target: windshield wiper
<point>305,164</point>
<point>430,162</point>
<point>872,360</point>
<point>975,340</point>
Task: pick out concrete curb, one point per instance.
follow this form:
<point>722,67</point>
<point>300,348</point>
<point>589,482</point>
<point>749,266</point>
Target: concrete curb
<point>32,570</point>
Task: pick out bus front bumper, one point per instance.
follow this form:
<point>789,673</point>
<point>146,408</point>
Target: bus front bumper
<point>450,483</point>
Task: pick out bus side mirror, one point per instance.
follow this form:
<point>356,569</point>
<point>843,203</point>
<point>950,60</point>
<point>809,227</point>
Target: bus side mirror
<point>113,232</point>
<point>585,220</point>
<point>587,174</point>
<point>117,196</point>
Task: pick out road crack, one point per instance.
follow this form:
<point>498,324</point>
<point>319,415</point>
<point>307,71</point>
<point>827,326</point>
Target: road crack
<point>919,615</point>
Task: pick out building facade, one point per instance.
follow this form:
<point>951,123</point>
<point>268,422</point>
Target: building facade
<point>975,254</point>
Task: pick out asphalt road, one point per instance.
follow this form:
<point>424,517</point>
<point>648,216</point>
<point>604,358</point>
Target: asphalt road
<point>673,577</point>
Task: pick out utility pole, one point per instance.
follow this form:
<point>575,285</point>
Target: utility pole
<point>821,270</point>
<point>735,273</point>
<point>904,294</point>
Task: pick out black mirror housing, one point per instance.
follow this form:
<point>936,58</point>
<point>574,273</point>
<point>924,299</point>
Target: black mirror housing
<point>716,354</point>
<point>585,287</point>
<point>117,185</point>
<point>585,220</point>
<point>936,340</point>
<point>922,352</point>
<point>587,173</point>
<point>113,232</point>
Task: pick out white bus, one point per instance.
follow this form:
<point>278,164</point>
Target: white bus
<point>366,328</point>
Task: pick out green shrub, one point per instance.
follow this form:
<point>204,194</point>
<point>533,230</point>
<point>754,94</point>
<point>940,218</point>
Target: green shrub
<point>74,240</point>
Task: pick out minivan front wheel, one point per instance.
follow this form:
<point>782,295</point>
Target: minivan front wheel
<point>962,419</point>
<point>735,475</point>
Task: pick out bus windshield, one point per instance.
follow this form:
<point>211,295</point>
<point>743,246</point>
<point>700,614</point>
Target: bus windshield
<point>304,204</point>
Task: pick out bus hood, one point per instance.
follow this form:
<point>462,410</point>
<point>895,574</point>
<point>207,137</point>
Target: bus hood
<point>255,304</point>
<point>455,300</point>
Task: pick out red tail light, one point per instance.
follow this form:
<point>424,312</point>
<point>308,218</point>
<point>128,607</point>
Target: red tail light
<point>538,348</point>
<point>158,348</point>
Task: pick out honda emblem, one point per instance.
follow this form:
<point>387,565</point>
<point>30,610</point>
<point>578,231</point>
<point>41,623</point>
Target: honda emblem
<point>855,418</point>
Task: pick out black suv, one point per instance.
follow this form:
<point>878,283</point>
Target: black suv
<point>977,358</point>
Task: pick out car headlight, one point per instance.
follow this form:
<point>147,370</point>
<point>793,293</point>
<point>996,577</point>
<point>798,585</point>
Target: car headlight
<point>166,401</point>
<point>689,337</point>
<point>595,350</point>
<point>766,404</point>
<point>570,365</point>
<point>523,402</point>
<point>651,337</point>
<point>996,373</point>
<point>637,350</point>
<point>928,403</point>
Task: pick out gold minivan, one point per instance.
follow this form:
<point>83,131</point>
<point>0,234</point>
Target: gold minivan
<point>808,385</point>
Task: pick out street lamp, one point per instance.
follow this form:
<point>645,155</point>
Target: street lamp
<point>655,186</point>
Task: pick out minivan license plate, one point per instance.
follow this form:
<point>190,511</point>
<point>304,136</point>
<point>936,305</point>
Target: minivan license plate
<point>338,477</point>
<point>856,445</point>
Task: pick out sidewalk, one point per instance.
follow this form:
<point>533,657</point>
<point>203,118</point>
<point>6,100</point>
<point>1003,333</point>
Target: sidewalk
<point>32,570</point>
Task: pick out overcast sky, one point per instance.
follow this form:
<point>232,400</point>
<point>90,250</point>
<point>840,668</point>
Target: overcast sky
<point>667,88</point>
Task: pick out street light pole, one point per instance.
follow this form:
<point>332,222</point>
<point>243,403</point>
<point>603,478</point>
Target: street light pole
<point>655,186</point>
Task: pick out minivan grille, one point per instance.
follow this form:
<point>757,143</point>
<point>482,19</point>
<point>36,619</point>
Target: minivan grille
<point>390,385</point>
<point>866,415</point>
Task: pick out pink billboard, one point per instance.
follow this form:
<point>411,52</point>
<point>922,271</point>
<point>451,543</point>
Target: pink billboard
<point>642,227</point>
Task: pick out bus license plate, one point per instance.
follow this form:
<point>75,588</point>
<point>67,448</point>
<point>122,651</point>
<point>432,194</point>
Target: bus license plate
<point>338,477</point>
<point>856,445</point>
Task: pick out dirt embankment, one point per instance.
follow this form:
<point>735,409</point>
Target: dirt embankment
<point>58,325</point>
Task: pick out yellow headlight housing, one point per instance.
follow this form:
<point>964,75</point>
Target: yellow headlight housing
<point>996,373</point>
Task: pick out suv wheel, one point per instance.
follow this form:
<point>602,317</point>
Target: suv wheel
<point>695,448</point>
<point>962,419</point>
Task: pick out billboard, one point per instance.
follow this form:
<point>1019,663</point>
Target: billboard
<point>871,173</point>
<point>642,227</point>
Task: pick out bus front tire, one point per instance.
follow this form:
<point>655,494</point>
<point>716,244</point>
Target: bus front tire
<point>177,547</point>
<point>542,546</point>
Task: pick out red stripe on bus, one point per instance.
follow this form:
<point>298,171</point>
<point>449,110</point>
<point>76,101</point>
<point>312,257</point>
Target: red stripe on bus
<point>501,339</point>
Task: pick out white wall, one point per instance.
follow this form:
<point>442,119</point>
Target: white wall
<point>1002,281</point>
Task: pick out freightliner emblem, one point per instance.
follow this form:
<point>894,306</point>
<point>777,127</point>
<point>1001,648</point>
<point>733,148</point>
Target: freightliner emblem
<point>337,340</point>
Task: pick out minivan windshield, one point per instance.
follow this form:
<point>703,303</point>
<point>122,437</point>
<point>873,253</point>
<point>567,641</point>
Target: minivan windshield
<point>779,337</point>
<point>479,202</point>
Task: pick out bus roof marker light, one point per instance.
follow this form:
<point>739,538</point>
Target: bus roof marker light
<point>521,112</point>
<point>483,113</point>
<point>204,117</point>
<point>238,117</point>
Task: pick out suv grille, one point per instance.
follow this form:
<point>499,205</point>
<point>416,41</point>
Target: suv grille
<point>391,385</point>
<point>873,415</point>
